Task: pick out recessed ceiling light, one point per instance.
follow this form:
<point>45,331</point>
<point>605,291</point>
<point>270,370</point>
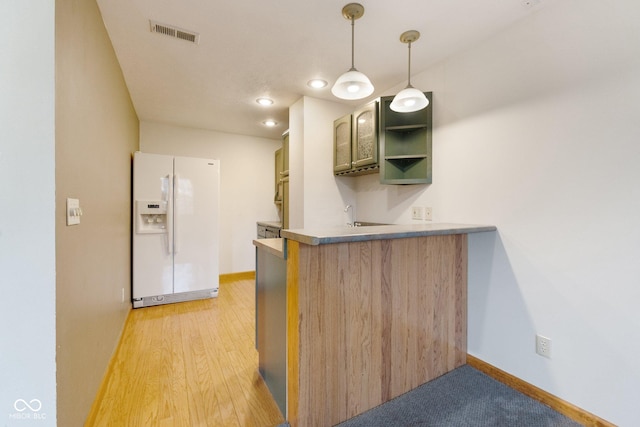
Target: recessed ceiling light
<point>265,101</point>
<point>270,123</point>
<point>317,83</point>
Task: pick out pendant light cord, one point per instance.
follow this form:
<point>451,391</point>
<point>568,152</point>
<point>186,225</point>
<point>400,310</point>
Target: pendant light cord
<point>352,42</point>
<point>409,68</point>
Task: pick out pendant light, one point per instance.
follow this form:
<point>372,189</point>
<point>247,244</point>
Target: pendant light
<point>409,99</point>
<point>352,84</point>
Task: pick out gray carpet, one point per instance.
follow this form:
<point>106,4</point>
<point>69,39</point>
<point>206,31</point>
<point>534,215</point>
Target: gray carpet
<point>463,397</point>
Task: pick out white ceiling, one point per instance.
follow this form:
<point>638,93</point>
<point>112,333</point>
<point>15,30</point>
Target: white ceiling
<point>253,48</point>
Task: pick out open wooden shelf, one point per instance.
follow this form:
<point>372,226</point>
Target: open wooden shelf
<point>405,144</point>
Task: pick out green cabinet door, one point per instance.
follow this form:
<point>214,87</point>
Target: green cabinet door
<point>342,144</point>
<point>364,144</point>
<point>285,153</point>
<point>355,142</point>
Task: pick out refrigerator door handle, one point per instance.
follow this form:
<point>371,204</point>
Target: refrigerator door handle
<point>176,180</point>
<point>167,197</point>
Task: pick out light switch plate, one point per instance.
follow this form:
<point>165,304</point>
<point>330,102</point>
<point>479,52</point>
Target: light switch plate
<point>73,212</point>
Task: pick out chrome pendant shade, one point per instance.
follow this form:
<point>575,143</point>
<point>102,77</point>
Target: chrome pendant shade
<point>353,84</point>
<point>409,99</point>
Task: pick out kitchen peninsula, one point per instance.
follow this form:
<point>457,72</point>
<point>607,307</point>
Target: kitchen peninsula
<point>371,313</point>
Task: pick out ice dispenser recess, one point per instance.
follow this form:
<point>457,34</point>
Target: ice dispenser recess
<point>151,216</point>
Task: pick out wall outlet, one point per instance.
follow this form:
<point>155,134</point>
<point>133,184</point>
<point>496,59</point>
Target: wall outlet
<point>528,4</point>
<point>417,212</point>
<point>428,214</point>
<point>543,346</point>
<point>122,294</point>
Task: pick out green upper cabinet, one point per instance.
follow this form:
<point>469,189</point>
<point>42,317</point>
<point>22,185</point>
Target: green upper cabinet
<point>285,153</point>
<point>342,144</point>
<point>355,138</point>
<point>405,144</point>
<point>283,180</point>
<point>365,136</point>
<point>279,168</point>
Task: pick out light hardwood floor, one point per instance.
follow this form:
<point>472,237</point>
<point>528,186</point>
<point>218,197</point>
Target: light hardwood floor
<point>189,364</point>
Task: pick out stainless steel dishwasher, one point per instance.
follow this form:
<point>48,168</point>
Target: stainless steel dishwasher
<point>268,230</point>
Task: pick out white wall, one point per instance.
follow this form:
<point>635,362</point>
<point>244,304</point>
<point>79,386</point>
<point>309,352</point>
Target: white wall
<point>27,212</point>
<point>317,197</point>
<point>96,130</point>
<point>330,194</point>
<point>536,131</point>
<point>296,164</point>
<point>247,168</point>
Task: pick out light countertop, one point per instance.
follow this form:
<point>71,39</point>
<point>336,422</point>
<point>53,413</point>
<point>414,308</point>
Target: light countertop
<point>322,236</point>
<point>274,224</point>
<point>275,246</point>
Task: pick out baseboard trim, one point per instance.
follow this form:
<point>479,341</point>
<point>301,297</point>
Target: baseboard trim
<point>95,406</point>
<point>565,408</point>
<point>233,277</point>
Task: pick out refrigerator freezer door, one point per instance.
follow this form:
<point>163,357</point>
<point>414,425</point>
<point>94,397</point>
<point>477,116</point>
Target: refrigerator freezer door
<point>196,231</point>
<point>152,257</point>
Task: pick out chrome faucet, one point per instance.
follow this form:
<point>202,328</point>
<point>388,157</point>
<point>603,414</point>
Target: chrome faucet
<point>346,209</point>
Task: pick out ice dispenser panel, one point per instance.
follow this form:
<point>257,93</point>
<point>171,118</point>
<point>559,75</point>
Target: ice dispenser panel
<point>151,216</point>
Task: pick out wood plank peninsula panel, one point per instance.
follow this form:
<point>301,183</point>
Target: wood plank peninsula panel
<point>370,320</point>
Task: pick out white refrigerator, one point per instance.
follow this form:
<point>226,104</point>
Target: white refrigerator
<point>175,229</point>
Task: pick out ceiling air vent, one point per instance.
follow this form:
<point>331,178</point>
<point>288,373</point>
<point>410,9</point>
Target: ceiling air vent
<point>175,32</point>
